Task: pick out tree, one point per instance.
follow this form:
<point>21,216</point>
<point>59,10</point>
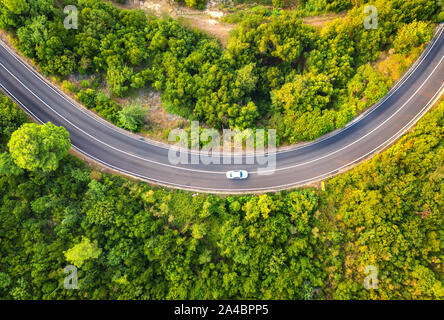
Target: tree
<point>16,6</point>
<point>39,147</point>
<point>7,165</point>
<point>306,93</point>
<point>278,3</point>
<point>246,79</point>
<point>412,35</point>
<point>118,76</point>
<point>83,251</point>
<point>11,119</point>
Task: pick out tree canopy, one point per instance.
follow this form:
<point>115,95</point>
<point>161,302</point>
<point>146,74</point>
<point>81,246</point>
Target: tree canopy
<point>39,147</point>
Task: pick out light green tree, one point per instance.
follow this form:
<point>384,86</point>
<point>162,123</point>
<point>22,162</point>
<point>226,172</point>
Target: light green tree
<point>246,80</point>
<point>413,35</point>
<point>7,165</point>
<point>16,6</point>
<point>83,251</point>
<point>39,147</point>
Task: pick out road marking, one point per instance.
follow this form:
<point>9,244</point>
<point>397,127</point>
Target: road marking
<point>350,125</point>
<point>289,185</point>
<point>92,137</point>
<point>217,172</point>
<point>220,172</point>
<point>367,134</point>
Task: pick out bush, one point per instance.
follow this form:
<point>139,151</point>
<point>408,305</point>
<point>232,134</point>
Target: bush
<point>132,117</point>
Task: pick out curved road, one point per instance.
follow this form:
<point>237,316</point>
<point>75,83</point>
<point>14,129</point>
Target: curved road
<point>329,155</point>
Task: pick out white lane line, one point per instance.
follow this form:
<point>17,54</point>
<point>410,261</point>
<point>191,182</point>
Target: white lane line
<point>284,186</point>
<point>94,138</point>
<point>289,185</point>
<point>23,106</point>
<point>393,91</point>
<point>219,172</point>
<point>373,108</point>
<point>370,132</point>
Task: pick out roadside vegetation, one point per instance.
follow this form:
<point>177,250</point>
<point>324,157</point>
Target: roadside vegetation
<point>130,240</point>
<point>318,6</point>
<point>276,72</point>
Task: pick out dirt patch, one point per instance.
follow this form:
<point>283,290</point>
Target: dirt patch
<point>158,120</point>
<point>205,20</point>
<point>210,26</point>
<point>321,21</point>
<point>130,4</point>
<point>208,20</point>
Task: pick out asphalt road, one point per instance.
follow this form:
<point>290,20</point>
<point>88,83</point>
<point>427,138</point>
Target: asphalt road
<point>329,155</point>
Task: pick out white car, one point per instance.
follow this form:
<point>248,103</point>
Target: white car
<point>237,175</point>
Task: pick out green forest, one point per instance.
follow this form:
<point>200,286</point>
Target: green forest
<point>277,72</point>
<point>130,240</point>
